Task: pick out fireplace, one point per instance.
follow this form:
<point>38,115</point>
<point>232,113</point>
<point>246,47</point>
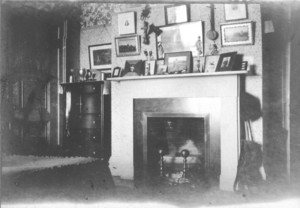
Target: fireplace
<point>212,97</point>
<point>164,127</point>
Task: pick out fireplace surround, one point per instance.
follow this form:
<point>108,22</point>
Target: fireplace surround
<point>181,117</point>
<point>223,88</point>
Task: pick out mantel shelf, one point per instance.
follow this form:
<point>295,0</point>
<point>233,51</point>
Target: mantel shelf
<point>171,76</point>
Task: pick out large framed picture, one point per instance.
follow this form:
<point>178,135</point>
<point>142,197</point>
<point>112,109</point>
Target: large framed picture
<point>226,61</point>
<point>211,63</point>
<point>237,34</point>
<point>127,23</point>
<point>179,62</point>
<point>176,14</point>
<point>235,11</point>
<point>181,37</point>
<point>100,56</point>
<point>128,46</point>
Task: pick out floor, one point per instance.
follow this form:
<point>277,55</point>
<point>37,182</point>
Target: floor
<point>92,184</point>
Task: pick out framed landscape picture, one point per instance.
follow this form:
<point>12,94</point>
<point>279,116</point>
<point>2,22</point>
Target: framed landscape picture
<point>100,56</point>
<point>179,62</point>
<point>237,34</point>
<point>128,45</point>
<point>181,37</point>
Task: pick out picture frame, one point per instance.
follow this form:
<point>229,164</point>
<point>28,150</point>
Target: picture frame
<point>105,74</point>
<point>211,63</point>
<point>181,37</point>
<point>177,14</point>
<point>161,69</point>
<point>235,12</point>
<point>128,46</point>
<point>178,62</point>
<point>100,56</point>
<point>127,23</point>
<point>116,72</point>
<point>237,34</point>
<point>198,66</point>
<point>133,68</point>
<point>150,67</point>
<point>226,61</point>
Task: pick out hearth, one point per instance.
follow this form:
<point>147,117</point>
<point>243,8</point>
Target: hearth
<point>166,129</point>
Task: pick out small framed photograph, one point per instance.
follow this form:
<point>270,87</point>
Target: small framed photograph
<point>128,46</point>
<point>105,74</point>
<point>198,65</point>
<point>235,11</point>
<point>179,62</point>
<point>161,69</point>
<point>211,63</point>
<point>226,61</point>
<point>133,68</point>
<point>150,67</point>
<point>127,23</point>
<point>100,56</point>
<point>176,14</point>
<point>244,65</point>
<point>237,34</point>
<point>181,37</point>
<point>116,72</point>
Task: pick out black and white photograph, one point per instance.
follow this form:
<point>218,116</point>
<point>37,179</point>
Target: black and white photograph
<point>100,56</point>
<point>181,37</point>
<point>237,34</point>
<point>128,46</point>
<point>211,63</point>
<point>127,23</point>
<point>235,12</point>
<point>177,14</point>
<point>141,104</point>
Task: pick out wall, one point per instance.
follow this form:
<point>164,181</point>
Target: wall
<point>275,101</point>
<point>252,53</point>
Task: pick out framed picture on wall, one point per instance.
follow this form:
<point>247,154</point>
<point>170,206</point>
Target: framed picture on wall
<point>176,14</point>
<point>235,11</point>
<point>100,56</point>
<point>127,23</point>
<point>237,34</point>
<point>128,45</point>
<point>226,61</point>
<point>181,37</point>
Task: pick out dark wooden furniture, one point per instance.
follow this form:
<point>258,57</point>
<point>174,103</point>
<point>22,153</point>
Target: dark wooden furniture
<point>87,120</point>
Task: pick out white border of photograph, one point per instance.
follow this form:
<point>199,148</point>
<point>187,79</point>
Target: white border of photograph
<point>126,23</point>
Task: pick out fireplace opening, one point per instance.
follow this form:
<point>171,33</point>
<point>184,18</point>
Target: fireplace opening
<point>168,139</point>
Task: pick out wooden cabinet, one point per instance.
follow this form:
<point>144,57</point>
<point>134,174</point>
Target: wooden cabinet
<point>87,120</point>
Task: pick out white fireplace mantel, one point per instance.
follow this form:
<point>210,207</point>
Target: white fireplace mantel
<point>224,86</point>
